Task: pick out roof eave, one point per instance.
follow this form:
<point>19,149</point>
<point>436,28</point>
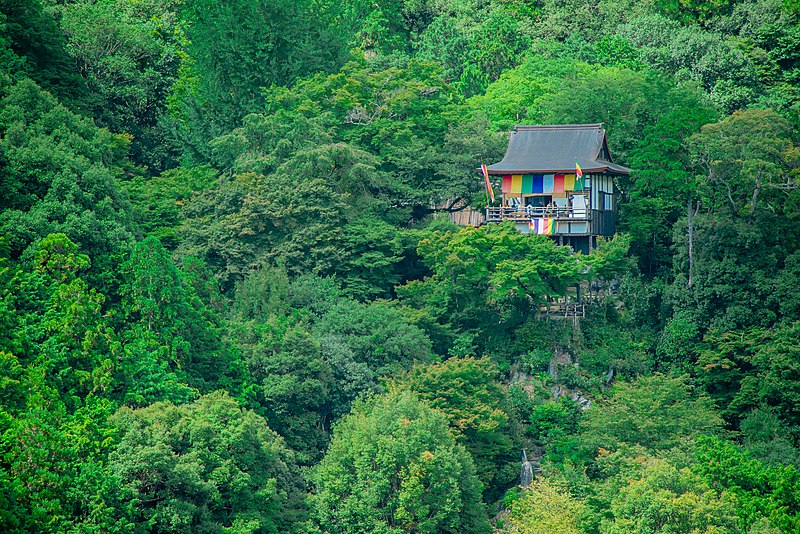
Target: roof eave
<point>557,171</point>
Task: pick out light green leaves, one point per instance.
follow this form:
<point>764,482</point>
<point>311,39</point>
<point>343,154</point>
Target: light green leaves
<point>393,467</point>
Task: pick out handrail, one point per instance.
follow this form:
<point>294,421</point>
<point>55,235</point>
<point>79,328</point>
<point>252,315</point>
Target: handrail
<point>563,310</point>
<point>528,212</point>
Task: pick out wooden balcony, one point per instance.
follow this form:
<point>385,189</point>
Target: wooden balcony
<point>569,221</point>
<point>503,213</point>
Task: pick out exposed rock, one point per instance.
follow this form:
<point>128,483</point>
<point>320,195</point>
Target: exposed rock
<point>582,400</point>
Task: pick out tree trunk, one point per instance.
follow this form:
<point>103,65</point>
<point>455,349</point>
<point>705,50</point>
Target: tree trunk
<point>690,217</point>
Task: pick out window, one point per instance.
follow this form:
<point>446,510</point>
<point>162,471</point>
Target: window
<point>608,201</point>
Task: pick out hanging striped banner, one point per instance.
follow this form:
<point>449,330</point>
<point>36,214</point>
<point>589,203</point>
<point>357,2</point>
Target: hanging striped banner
<point>543,226</point>
<point>488,183</point>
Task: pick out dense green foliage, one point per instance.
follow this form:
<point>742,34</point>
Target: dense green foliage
<point>394,467</point>
<point>232,300</point>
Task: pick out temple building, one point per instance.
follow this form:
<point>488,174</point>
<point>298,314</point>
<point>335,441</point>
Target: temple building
<point>558,181</point>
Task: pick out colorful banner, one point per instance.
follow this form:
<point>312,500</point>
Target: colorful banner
<point>516,184</point>
<point>569,182</point>
<point>548,184</point>
<point>506,184</point>
<point>527,184</point>
<point>558,183</point>
<point>488,182</point>
<point>538,184</point>
<point>542,226</point>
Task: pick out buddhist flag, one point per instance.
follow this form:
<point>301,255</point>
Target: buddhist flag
<point>578,177</point>
<point>545,227</point>
<point>488,183</point>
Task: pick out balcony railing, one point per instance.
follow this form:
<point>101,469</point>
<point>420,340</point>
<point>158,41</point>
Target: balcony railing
<point>502,213</point>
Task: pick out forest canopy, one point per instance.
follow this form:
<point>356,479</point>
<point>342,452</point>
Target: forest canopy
<point>233,297</point>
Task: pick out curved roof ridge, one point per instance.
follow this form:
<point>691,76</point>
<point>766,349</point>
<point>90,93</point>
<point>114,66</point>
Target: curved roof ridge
<point>595,125</point>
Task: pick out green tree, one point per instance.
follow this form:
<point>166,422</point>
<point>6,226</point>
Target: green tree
<point>747,159</point>
<point>378,334</point>
<point>50,455</point>
<point>251,220</point>
<point>655,412</point>
<point>468,392</point>
<point>662,180</point>
<point>770,373</point>
<point>73,338</point>
<point>769,29</point>
<point>169,330</point>
<point>519,93</point>
<point>292,382</point>
<point>382,134</point>
<point>768,437</point>
<point>11,63</point>
<point>40,462</point>
<point>763,494</point>
<point>467,145</point>
<point>59,332</point>
<point>38,50</point>
<point>204,466</point>
<point>692,10</point>
<point>552,422</point>
<point>678,340</point>
<point>127,53</point>
<point>743,223</point>
<point>543,508</point>
<point>157,203</point>
<point>374,252</point>
<point>690,53</point>
<point>494,275</point>
<point>625,101</point>
<point>236,49</point>
<point>57,175</point>
<point>665,499</point>
<point>474,42</point>
<point>393,467</point>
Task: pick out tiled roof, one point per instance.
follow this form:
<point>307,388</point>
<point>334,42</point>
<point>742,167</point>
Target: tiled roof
<point>556,148</point>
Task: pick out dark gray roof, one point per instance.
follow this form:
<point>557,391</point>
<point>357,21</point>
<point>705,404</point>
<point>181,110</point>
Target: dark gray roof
<point>552,149</point>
